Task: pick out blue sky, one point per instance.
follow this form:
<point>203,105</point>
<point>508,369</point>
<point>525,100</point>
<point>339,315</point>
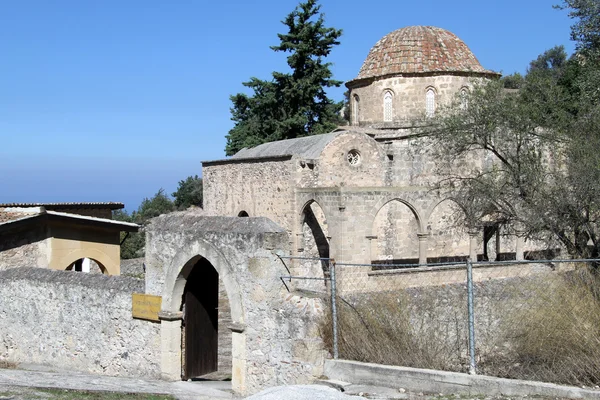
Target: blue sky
<point>111,100</point>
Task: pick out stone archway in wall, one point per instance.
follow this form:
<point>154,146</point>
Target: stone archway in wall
<point>314,244</point>
<point>87,265</point>
<point>395,234</point>
<point>105,263</point>
<point>202,318</point>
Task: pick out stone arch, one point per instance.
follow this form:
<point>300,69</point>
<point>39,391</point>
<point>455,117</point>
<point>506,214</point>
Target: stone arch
<point>314,217</point>
<point>315,244</point>
<point>448,236</point>
<point>462,97</point>
<point>87,265</point>
<point>385,200</point>
<point>243,213</point>
<point>181,266</point>
<point>395,231</point>
<point>107,265</point>
<point>177,271</point>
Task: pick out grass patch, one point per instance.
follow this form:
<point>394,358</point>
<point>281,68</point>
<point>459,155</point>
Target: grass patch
<point>7,364</point>
<point>63,394</point>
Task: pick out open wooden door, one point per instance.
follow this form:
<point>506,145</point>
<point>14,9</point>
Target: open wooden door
<point>201,298</point>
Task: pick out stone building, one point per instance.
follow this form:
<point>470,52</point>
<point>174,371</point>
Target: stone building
<point>61,236</point>
<point>362,193</point>
<point>408,73</point>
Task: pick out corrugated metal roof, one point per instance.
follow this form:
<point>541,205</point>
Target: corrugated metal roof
<point>9,215</point>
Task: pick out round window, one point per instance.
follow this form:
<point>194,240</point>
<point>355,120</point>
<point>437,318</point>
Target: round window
<point>353,157</point>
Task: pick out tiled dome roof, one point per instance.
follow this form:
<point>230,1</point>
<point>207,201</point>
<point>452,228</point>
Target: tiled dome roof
<point>420,49</point>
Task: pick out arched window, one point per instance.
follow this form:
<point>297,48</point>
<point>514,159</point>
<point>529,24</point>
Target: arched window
<point>355,109</point>
<point>464,98</point>
<point>430,102</point>
<point>387,106</point>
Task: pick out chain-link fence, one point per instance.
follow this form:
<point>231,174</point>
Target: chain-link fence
<point>534,320</point>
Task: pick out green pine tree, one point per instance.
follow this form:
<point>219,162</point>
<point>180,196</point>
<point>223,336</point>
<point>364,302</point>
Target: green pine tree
<point>292,104</point>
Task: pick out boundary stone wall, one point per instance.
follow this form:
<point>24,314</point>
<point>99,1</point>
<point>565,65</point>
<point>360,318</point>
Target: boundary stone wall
<point>76,321</point>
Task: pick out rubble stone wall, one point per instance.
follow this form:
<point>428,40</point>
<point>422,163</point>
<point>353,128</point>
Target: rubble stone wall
<point>24,249</point>
<point>76,321</point>
<point>258,188</point>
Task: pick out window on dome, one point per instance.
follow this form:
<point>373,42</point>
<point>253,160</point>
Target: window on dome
<point>387,106</point>
<point>464,98</point>
<point>355,109</point>
<point>430,102</point>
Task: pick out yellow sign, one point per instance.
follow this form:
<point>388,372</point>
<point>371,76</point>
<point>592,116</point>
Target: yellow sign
<point>145,306</point>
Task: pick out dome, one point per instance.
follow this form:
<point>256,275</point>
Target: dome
<point>420,50</point>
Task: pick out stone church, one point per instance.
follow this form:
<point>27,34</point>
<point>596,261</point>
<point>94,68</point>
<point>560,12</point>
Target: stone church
<point>361,194</point>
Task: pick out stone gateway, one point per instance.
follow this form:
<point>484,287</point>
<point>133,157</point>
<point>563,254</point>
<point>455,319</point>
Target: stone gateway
<point>272,334</point>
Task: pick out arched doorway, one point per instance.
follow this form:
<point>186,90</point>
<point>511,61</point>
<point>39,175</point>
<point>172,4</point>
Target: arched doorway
<point>171,259</point>
<point>206,349</point>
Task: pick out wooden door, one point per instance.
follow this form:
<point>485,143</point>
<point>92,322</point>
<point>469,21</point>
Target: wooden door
<point>201,320</point>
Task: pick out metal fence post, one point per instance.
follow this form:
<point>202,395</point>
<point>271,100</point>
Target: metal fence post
<point>471,311</point>
<point>334,308</point>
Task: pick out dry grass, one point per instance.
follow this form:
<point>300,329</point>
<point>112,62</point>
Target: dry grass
<point>544,328</point>
<point>381,328</point>
<point>554,336</point>
<point>7,364</point>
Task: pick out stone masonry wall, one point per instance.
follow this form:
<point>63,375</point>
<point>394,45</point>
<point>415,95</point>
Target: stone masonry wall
<point>76,321</point>
<point>333,169</point>
<point>24,249</point>
<point>133,267</point>
<point>260,188</point>
<point>408,99</point>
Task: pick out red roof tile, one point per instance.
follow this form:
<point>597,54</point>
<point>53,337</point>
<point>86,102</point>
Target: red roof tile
<point>6,216</point>
<point>420,49</point>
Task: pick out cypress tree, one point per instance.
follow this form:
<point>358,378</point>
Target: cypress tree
<point>292,104</point>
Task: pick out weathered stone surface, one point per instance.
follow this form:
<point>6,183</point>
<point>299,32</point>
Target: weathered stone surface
<point>301,392</point>
<point>77,321</point>
<point>24,249</point>
<point>133,268</point>
<point>274,339</point>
